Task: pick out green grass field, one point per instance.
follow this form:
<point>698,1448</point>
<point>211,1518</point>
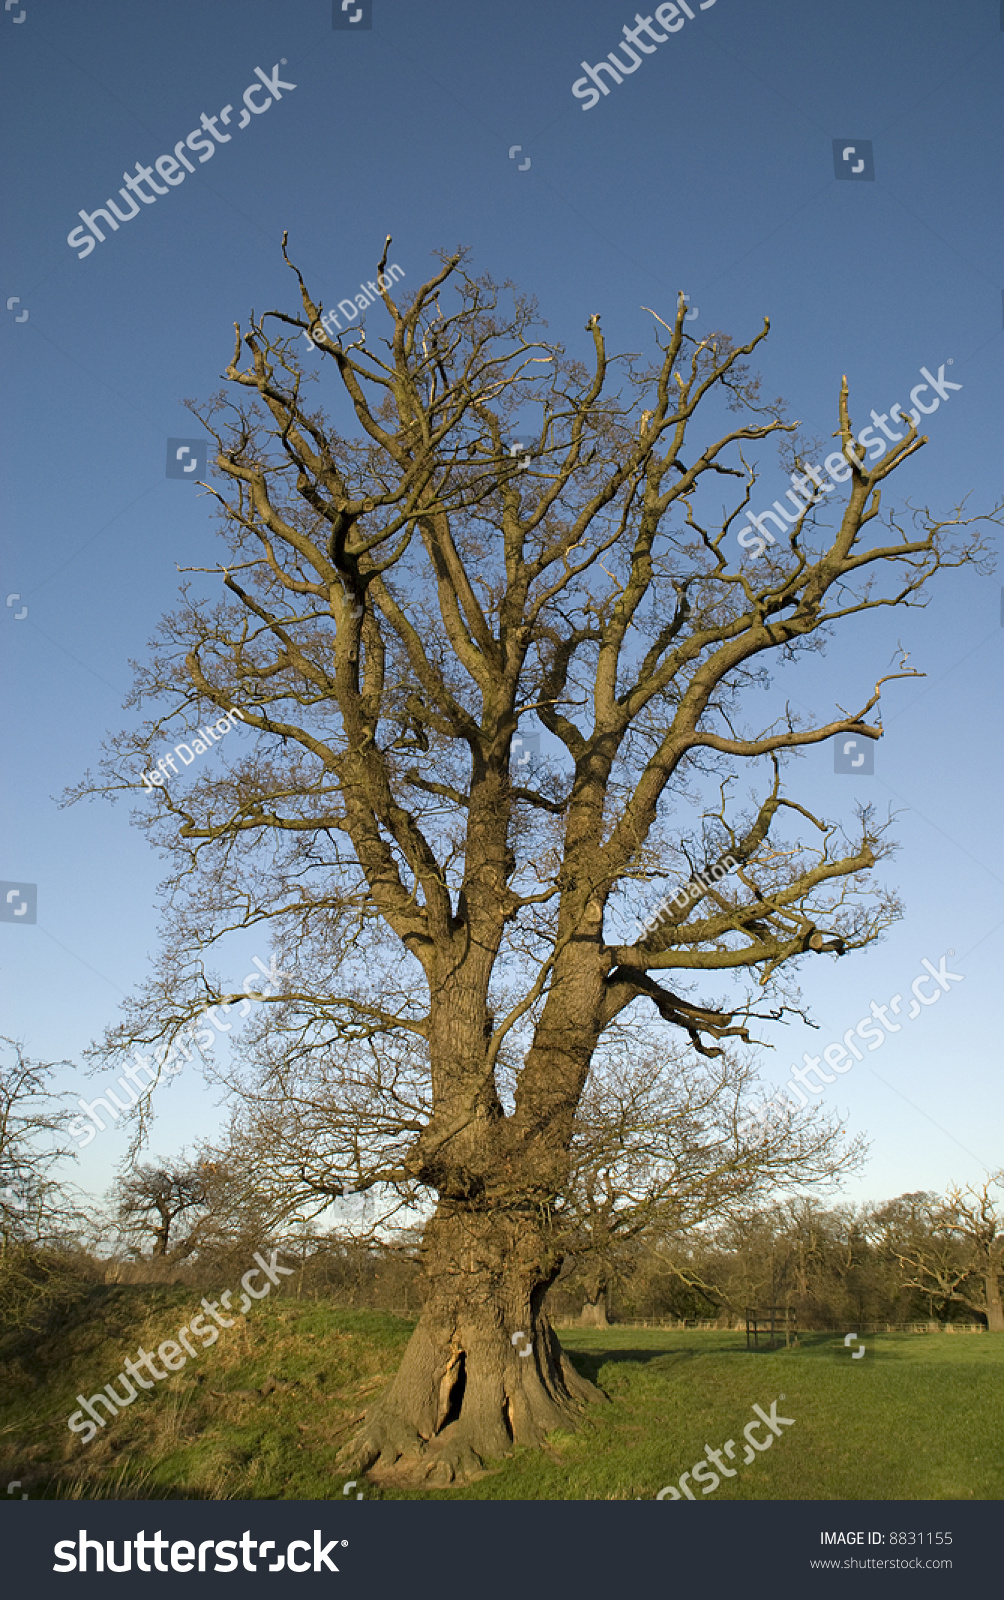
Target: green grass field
<point>918,1417</point>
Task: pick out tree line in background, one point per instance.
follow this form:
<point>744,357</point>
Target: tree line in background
<point>651,1227</point>
<point>919,1257</point>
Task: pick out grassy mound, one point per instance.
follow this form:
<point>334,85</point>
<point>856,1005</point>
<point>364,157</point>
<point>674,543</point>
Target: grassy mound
<point>262,1413</point>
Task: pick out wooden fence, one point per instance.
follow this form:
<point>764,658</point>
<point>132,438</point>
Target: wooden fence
<point>738,1324</point>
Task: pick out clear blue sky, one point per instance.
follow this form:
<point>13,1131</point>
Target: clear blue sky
<point>709,169</point>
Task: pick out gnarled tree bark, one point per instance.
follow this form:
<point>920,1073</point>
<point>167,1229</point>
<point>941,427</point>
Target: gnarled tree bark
<point>484,1369</point>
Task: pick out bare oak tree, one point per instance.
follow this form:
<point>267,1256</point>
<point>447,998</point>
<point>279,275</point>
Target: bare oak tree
<point>34,1207</point>
<point>951,1249</point>
<point>402,595</point>
<point>152,1197</point>
<point>43,1225</point>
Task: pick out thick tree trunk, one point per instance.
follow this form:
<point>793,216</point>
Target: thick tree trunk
<point>484,1369</point>
<point>594,1312</point>
<point>995,1307</point>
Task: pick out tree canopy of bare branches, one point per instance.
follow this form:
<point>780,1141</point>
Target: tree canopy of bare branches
<point>400,596</point>
<point>34,1207</point>
<point>950,1248</point>
<point>150,1198</point>
<point>660,1155</point>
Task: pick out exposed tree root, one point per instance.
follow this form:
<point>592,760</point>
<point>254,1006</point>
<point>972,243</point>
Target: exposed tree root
<point>453,1407</point>
<point>484,1370</point>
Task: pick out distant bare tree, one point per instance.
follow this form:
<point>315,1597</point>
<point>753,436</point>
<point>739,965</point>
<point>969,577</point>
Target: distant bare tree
<point>952,1249</point>
<point>33,1140</point>
<point>150,1198</point>
<point>42,1220</point>
<point>973,1217</point>
<point>663,1147</point>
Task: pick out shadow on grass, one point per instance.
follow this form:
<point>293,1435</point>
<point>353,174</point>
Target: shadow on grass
<point>590,1362</point>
